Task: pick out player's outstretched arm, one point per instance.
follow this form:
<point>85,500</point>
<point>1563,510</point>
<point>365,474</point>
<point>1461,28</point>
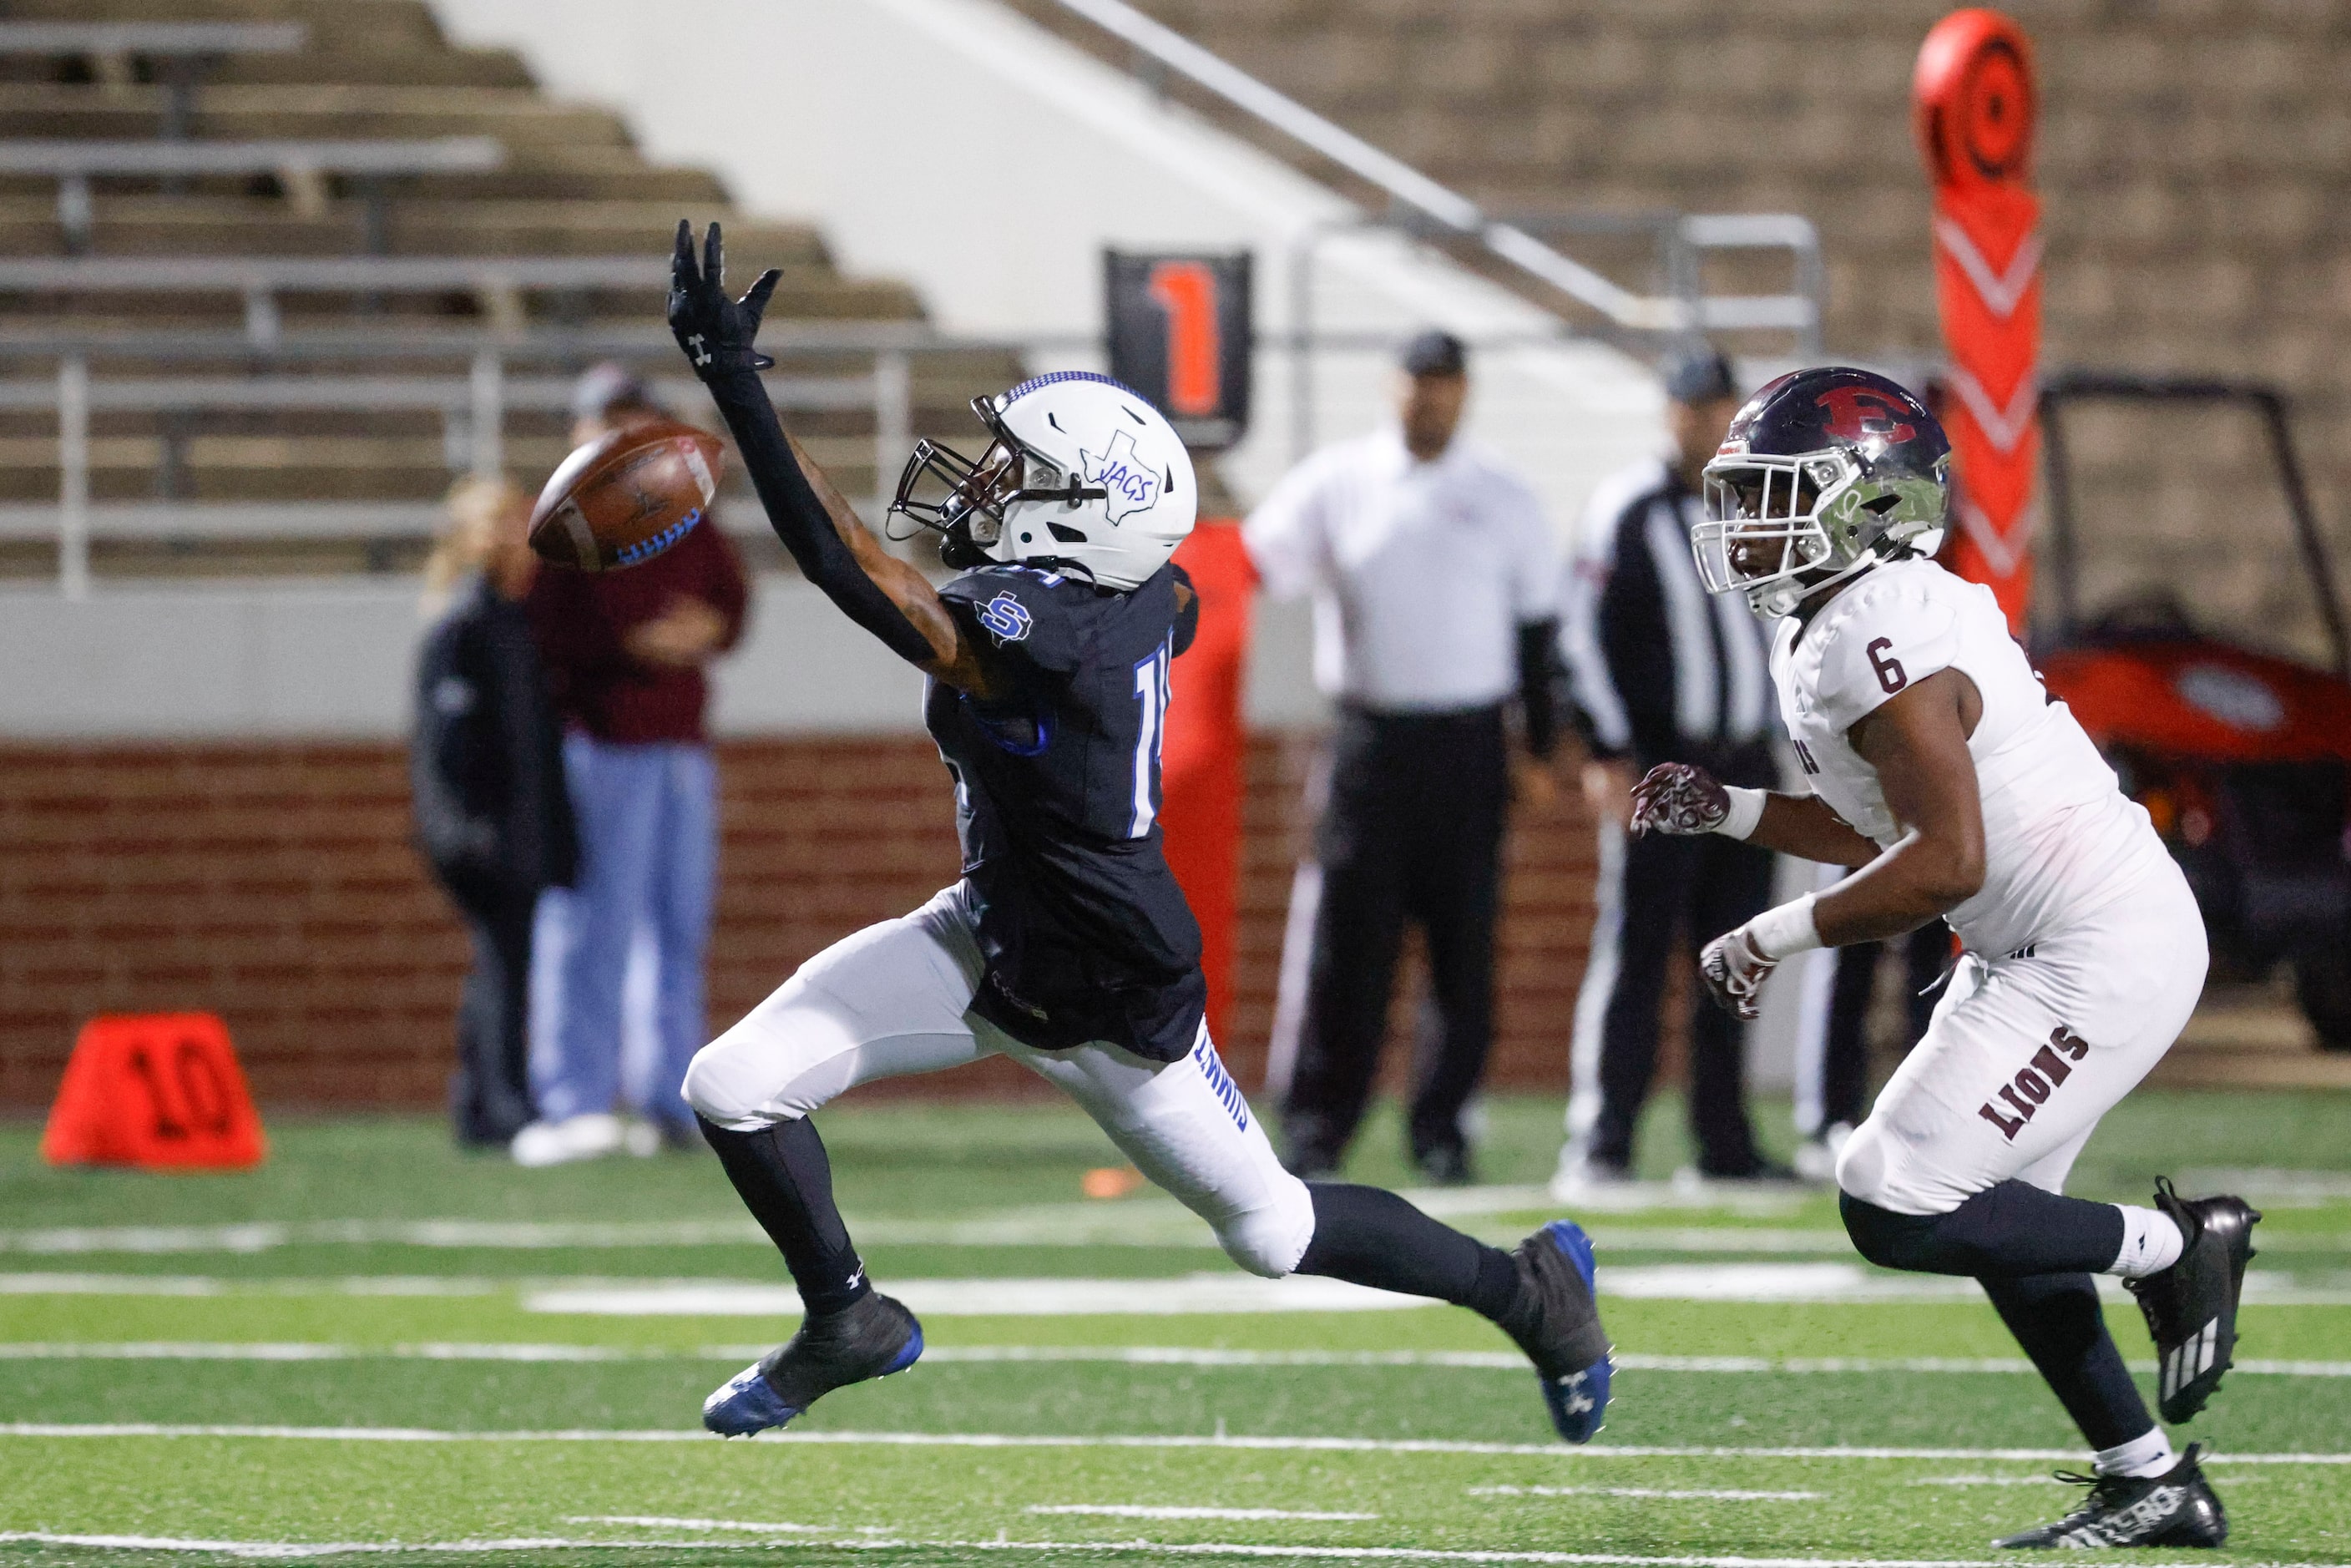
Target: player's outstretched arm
<point>885,595</point>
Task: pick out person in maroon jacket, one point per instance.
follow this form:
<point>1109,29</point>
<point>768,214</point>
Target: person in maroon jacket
<point>626,652</point>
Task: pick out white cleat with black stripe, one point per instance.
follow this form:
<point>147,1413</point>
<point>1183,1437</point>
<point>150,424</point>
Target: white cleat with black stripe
<point>2191,1307</point>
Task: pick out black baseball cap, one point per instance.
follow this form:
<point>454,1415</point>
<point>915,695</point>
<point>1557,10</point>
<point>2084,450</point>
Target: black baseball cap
<point>1699,375</point>
<point>1435,353</point>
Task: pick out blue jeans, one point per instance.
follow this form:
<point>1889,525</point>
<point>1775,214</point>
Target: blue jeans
<point>648,859</point>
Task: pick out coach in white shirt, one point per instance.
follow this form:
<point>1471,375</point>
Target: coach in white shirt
<point>1434,585</point>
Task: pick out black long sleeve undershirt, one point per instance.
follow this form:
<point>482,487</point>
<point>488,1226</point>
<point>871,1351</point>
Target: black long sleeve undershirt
<point>800,520</point>
<point>1538,704</point>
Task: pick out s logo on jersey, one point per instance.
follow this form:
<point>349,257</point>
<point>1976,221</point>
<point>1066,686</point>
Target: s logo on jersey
<point>1005,618</point>
<point>1132,487</point>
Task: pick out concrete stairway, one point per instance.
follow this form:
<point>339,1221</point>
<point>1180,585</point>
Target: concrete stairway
<point>573,184</point>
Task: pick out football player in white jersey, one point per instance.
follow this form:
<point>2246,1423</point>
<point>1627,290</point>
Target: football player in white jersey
<point>1959,788</point>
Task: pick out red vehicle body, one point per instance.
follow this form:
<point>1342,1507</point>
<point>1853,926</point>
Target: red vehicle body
<point>2241,758</point>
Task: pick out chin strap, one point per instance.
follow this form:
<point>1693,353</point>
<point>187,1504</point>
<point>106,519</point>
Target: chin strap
<point>1764,600</point>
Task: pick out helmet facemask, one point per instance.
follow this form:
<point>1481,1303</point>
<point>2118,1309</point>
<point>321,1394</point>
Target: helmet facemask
<point>1778,528</point>
<point>964,500</point>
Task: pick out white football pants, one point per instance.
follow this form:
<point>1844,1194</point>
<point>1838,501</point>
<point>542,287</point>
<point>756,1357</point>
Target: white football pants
<point>895,999</point>
<point>2025,1053</point>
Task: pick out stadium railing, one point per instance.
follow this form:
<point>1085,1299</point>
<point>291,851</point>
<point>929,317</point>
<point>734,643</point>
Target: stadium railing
<point>184,50</point>
<point>1423,205</point>
<point>473,379</point>
<point>499,283</point>
<point>299,166</point>
<point>415,375</point>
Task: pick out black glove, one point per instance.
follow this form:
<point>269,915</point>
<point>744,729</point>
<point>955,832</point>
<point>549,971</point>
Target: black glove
<point>715,331</point>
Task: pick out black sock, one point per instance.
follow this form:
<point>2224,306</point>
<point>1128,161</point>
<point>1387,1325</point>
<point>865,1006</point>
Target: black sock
<point>2057,1319</point>
<point>1369,1236</point>
<point>2004,1232</point>
<point>786,1181</point>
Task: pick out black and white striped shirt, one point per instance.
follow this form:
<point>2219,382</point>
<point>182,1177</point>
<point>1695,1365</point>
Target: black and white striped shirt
<point>1658,668</point>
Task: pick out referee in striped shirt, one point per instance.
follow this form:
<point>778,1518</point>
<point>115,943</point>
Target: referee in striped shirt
<point>1662,672</point>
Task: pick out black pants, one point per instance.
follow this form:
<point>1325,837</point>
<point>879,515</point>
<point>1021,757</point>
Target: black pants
<point>1677,893</point>
<point>1413,832</point>
<point>489,1094</point>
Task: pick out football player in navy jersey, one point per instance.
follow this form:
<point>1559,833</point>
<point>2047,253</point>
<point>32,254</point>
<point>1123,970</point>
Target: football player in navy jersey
<point>1067,944</point>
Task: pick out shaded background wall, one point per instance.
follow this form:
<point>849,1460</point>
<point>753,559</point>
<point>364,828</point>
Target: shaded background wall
<point>2194,162</point>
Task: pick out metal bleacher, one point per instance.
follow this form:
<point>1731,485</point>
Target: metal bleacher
<point>273,273</point>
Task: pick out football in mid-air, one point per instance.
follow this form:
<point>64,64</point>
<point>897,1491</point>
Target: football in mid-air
<point>627,495</point>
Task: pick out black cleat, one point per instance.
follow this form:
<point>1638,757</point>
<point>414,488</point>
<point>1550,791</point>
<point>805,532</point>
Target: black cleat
<point>1556,1321</point>
<point>873,1337</point>
<point>2175,1509</point>
<point>2191,1307</point>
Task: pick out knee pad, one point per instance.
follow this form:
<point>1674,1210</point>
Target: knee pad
<point>1864,1167</point>
<point>721,1091</point>
<point>1270,1239</point>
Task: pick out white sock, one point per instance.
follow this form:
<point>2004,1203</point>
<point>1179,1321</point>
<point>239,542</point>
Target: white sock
<point>2148,1456</point>
<point>2151,1243</point>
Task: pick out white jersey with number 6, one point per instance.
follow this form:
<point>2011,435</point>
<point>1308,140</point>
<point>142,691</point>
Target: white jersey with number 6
<point>2061,840</point>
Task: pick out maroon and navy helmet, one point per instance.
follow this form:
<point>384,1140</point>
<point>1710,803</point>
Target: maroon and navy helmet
<point>1824,473</point>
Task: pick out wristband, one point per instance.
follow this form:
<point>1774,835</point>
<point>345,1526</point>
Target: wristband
<point>1746,812</point>
<point>1785,931</point>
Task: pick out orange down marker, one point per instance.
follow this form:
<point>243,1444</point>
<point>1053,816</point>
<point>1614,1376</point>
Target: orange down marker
<point>161,1091</point>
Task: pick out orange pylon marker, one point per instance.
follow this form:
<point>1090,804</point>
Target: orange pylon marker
<point>162,1090</point>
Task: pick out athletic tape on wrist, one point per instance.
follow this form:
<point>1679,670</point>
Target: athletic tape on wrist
<point>1784,931</point>
<point>1746,812</point>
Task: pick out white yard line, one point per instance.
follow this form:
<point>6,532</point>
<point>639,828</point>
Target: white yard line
<point>1725,1494</point>
<point>1146,1221</point>
<point>1221,1291</point>
<point>1101,1440</point>
<point>46,1284</point>
<point>2041,1480</point>
<point>657,1521</point>
<point>1151,1511</point>
<point>1129,1356</point>
<point>282,1549</point>
<point>297,1549</point>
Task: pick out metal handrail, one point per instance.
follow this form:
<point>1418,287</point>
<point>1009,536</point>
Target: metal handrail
<point>152,38</point>
<point>473,407</point>
<point>1452,212</point>
<point>497,281</point>
<point>473,401</point>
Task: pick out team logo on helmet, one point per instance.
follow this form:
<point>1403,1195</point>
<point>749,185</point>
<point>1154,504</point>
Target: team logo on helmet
<point>1865,413</point>
<point>1132,485</point>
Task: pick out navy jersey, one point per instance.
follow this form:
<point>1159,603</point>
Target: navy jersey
<point>1085,933</point>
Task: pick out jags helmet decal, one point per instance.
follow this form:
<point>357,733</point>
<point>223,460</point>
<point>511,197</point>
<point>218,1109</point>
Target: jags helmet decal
<point>1120,471</point>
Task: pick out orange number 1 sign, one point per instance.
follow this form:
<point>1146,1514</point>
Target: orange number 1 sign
<point>1186,290</point>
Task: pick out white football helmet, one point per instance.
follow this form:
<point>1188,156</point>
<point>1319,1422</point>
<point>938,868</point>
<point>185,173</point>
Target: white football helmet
<point>1081,471</point>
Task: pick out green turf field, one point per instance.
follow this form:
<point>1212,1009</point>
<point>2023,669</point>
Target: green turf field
<point>375,1345</point>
